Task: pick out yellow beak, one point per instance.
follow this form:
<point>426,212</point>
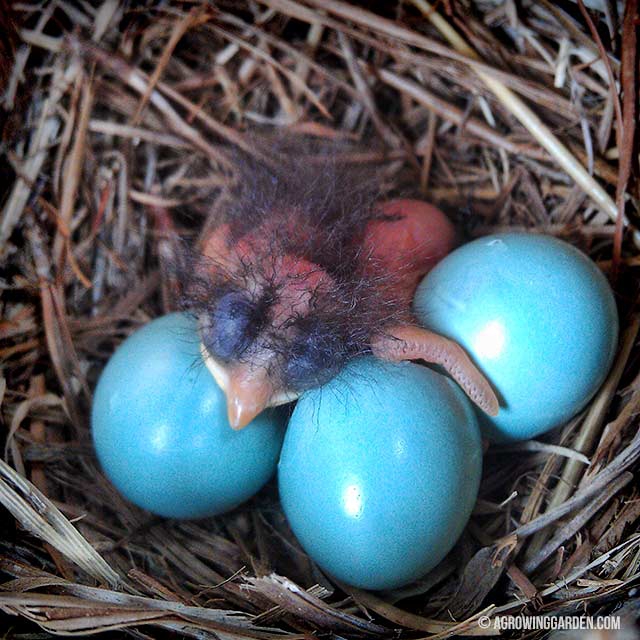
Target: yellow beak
<point>248,389</point>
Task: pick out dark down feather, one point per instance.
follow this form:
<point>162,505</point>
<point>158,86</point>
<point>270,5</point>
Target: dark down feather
<point>303,206</point>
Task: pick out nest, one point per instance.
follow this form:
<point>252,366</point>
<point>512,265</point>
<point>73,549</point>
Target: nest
<point>507,116</point>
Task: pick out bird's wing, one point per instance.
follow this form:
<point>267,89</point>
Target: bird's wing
<point>409,342</point>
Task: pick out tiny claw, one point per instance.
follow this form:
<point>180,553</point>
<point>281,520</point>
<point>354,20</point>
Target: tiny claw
<point>409,342</point>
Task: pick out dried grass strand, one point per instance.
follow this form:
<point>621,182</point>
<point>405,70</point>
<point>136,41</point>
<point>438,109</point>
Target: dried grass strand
<point>527,117</point>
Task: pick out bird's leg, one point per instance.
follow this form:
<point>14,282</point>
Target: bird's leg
<point>409,342</point>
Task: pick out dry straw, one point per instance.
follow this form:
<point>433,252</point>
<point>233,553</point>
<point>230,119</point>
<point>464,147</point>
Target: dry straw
<point>120,122</point>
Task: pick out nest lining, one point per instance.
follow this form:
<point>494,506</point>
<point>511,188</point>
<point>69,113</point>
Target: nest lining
<point>121,123</point>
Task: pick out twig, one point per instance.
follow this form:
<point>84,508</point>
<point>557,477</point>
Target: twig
<point>577,522</point>
<point>194,18</point>
<point>453,114</point>
<point>592,425</point>
<point>530,121</point>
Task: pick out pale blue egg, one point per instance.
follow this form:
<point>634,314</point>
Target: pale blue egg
<point>160,427</point>
<point>379,472</point>
<point>538,318</point>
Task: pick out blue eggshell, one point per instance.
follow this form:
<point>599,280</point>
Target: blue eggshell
<point>538,318</point>
<point>379,472</point>
<point>161,432</point>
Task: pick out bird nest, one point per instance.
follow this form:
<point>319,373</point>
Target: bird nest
<point>507,116</point>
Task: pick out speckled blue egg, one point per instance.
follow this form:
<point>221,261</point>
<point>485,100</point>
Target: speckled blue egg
<point>379,472</point>
<point>160,428</point>
<point>538,318</point>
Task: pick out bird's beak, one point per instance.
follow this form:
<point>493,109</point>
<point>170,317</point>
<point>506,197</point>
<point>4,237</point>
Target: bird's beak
<point>248,389</point>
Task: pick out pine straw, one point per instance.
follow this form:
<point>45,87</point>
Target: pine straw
<point>515,124</point>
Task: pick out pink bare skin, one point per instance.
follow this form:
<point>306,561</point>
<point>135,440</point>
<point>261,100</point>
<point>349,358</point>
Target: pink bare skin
<point>413,244</point>
<point>405,241</point>
<point>402,247</point>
